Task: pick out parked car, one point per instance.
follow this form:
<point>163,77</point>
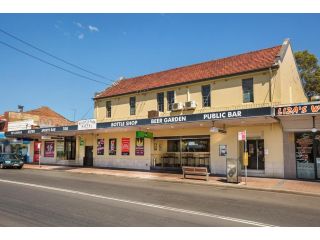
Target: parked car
<point>10,160</point>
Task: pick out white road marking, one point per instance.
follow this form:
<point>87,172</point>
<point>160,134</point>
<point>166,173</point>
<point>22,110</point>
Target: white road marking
<point>179,210</point>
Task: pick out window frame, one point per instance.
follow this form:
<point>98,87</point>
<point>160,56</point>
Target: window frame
<point>132,106</point>
<point>206,100</point>
<point>158,102</point>
<point>245,91</point>
<point>170,104</point>
<point>108,113</point>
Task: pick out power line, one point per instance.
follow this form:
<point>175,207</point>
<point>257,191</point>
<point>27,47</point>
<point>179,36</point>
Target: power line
<point>53,56</point>
<point>51,64</point>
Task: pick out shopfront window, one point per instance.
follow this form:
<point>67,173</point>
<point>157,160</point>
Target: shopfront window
<point>181,151</point>
<point>305,154</point>
<point>195,145</point>
<point>70,148</point>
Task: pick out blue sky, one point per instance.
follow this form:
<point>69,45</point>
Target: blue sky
<point>128,45</point>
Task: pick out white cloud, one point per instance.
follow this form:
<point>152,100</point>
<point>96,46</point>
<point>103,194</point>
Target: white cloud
<point>79,25</point>
<point>81,36</point>
<point>93,28</point>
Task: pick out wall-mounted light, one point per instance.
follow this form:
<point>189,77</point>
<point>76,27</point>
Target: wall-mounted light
<point>314,129</point>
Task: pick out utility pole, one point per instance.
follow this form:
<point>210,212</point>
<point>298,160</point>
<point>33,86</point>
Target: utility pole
<point>74,113</point>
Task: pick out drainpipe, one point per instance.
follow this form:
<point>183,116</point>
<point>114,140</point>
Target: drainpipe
<point>270,87</point>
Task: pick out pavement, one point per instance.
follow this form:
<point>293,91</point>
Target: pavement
<point>66,197</point>
<point>303,187</point>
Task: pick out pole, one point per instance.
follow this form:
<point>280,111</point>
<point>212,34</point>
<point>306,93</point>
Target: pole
<point>245,149</point>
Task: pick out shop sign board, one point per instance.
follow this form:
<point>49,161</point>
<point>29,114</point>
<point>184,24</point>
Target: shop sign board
<point>92,123</point>
<point>100,147</point>
<point>125,146</point>
<point>20,125</point>
<point>142,134</point>
<point>87,124</point>
<point>139,146</point>
<point>113,146</point>
<point>49,149</point>
<point>242,136</point>
<point>297,109</point>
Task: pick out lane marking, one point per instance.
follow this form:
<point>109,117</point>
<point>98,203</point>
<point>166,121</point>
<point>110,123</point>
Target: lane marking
<point>179,210</point>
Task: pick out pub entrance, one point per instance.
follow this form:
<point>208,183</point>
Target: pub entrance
<point>171,153</point>
<point>88,157</point>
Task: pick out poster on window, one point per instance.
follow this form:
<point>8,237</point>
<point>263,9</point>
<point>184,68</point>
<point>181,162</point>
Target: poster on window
<point>223,150</point>
<point>113,146</point>
<point>60,149</point>
<point>139,146</point>
<point>125,146</point>
<point>100,147</point>
<point>49,149</point>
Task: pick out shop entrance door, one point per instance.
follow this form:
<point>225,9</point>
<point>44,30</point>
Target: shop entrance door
<point>255,154</point>
<point>88,157</point>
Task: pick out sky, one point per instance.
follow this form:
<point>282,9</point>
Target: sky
<point>127,45</point>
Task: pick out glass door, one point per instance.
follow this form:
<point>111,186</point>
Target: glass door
<point>255,154</point>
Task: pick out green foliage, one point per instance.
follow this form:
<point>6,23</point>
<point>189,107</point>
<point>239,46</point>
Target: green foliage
<point>309,71</point>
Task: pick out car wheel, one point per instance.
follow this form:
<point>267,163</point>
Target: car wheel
<point>19,167</point>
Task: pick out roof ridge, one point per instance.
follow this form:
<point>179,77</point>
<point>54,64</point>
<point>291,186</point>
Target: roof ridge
<point>195,64</point>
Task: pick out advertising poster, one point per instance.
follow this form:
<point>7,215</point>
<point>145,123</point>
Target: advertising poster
<point>125,146</point>
<point>100,147</point>
<point>222,150</point>
<point>139,146</point>
<point>36,155</point>
<point>112,146</point>
<point>60,149</point>
<point>49,149</point>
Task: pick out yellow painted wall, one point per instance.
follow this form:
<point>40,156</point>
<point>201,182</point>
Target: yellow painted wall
<point>290,85</point>
<point>225,93</point>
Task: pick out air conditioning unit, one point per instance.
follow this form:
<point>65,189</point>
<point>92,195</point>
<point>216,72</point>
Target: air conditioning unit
<point>177,106</point>
<point>190,105</point>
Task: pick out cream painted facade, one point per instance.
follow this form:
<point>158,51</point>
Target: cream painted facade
<point>271,87</point>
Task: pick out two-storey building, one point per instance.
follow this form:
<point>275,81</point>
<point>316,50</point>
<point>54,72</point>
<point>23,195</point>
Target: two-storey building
<point>195,113</point>
<point>192,116</point>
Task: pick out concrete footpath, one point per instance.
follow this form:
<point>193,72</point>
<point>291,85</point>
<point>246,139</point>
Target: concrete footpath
<point>264,184</point>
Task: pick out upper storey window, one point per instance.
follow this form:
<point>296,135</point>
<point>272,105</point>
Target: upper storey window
<point>132,105</point>
<point>160,101</point>
<point>108,109</point>
<point>247,90</point>
<point>170,99</point>
<point>206,96</point>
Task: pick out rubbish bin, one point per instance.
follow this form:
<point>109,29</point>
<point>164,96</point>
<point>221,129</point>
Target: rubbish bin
<point>233,170</point>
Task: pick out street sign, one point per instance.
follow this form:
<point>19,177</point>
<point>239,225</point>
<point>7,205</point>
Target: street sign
<point>242,136</point>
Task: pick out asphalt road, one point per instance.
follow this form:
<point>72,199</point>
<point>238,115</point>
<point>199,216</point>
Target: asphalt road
<point>58,198</point>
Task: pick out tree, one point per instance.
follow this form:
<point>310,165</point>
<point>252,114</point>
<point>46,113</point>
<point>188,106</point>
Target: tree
<point>309,71</point>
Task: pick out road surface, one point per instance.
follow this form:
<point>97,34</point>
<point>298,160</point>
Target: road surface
<point>58,198</point>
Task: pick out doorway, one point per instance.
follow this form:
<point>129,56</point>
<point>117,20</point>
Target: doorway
<point>255,150</point>
<point>88,156</point>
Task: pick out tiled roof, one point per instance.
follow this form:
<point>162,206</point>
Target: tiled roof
<point>237,64</point>
<point>47,113</point>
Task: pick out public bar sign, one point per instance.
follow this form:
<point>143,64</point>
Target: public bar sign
<point>297,109</point>
<point>210,116</point>
<point>87,124</point>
